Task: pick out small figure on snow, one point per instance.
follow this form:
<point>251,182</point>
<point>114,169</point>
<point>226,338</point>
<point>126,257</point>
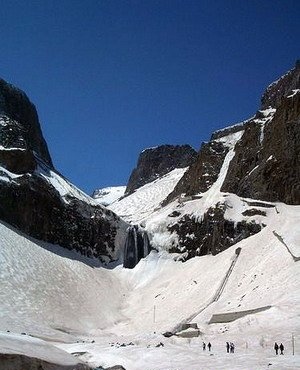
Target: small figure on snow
<point>231,347</point>
<point>281,347</point>
<point>227,347</point>
<point>209,346</point>
<point>276,347</point>
<point>204,346</point>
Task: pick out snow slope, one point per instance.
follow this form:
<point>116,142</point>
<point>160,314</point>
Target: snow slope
<point>144,201</point>
<point>15,344</point>
<point>109,195</point>
<point>50,293</point>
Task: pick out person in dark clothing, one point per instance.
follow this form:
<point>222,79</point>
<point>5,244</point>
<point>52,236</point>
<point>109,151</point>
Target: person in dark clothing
<point>204,346</point>
<point>231,347</point>
<point>281,347</point>
<point>227,346</point>
<point>209,346</point>
<point>276,347</point>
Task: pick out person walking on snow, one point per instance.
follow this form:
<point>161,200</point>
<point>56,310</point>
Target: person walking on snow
<point>231,347</point>
<point>204,346</point>
<point>281,347</point>
<point>209,346</point>
<point>276,348</point>
<point>227,346</point>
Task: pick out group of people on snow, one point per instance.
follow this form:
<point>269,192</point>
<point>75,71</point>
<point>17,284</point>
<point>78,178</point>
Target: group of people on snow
<point>230,347</point>
<point>208,346</point>
<point>277,347</point>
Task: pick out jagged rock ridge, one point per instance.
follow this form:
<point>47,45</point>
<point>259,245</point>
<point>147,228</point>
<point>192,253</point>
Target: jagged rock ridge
<point>39,201</point>
<point>267,157</point>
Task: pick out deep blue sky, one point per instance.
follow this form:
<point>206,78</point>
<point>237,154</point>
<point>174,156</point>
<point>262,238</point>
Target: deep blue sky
<point>110,78</point>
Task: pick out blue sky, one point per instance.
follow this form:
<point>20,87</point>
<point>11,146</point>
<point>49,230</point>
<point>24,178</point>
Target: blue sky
<point>110,78</point>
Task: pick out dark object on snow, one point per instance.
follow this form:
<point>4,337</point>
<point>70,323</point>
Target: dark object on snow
<point>160,344</point>
<point>168,334</point>
<point>137,246</point>
<point>276,347</point>
<point>231,347</point>
<point>227,347</point>
<point>281,347</point>
<point>203,346</point>
<point>209,346</point>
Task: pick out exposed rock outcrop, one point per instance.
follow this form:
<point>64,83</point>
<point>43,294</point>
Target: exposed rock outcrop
<point>39,201</point>
<point>19,123</point>
<point>266,165</point>
<point>210,234</point>
<point>279,89</point>
<point>156,162</point>
<point>22,362</point>
<point>203,172</point>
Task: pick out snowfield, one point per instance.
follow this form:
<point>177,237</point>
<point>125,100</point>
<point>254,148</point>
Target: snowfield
<point>57,295</point>
<point>109,195</point>
<point>147,199</point>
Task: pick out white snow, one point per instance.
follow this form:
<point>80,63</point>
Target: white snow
<point>109,195</point>
<point>11,343</point>
<point>145,200</point>
<point>53,294</point>
<point>11,148</point>
<point>294,92</point>
<point>150,148</point>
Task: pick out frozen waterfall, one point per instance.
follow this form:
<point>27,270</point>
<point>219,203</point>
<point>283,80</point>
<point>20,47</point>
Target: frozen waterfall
<point>137,246</point>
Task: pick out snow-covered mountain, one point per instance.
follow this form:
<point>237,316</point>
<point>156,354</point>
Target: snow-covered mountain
<point>227,193</point>
<point>232,215</point>
<point>109,195</point>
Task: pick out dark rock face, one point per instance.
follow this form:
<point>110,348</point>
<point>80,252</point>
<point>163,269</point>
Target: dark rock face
<point>279,89</point>
<point>22,362</point>
<point>211,234</point>
<point>156,162</point>
<point>269,170</point>
<point>137,246</point>
<point>203,172</point>
<point>19,123</point>
<point>266,164</point>
<point>38,200</point>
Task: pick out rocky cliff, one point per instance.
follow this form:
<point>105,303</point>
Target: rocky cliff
<point>38,200</point>
<point>267,161</point>
<point>267,157</point>
<point>210,208</point>
<point>156,162</point>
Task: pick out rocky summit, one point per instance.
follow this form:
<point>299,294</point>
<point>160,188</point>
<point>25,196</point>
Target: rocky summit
<point>38,200</point>
<point>156,162</point>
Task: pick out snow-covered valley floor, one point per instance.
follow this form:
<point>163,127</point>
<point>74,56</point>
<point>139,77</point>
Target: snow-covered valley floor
<point>56,295</point>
